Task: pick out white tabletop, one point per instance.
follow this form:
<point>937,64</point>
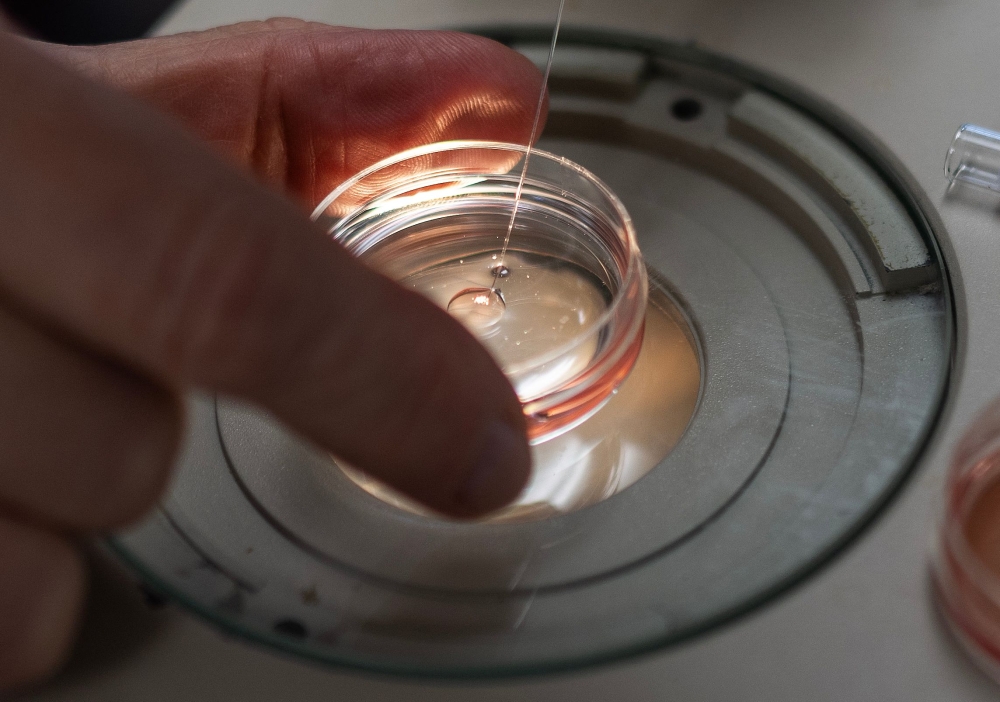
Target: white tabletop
<point>863,628</point>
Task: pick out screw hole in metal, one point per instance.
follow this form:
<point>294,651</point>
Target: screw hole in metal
<point>687,109</point>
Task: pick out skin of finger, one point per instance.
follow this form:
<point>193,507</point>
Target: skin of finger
<point>41,594</point>
<point>307,105</point>
<point>140,242</point>
<point>86,444</point>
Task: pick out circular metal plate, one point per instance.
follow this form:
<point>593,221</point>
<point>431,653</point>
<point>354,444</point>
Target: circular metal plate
<point>806,265</point>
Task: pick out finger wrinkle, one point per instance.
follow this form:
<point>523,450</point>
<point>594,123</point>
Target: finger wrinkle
<point>485,107</point>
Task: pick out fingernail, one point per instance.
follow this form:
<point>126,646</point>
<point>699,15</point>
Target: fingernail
<point>499,473</point>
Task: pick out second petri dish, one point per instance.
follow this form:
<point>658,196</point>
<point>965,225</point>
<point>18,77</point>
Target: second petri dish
<point>966,565</point>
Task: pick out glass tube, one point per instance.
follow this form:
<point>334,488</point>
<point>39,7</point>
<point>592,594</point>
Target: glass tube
<point>974,157</point>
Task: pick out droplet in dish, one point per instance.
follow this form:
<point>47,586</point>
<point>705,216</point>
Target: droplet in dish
<point>479,309</point>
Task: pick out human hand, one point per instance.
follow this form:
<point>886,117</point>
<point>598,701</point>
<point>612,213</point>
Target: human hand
<point>136,264</point>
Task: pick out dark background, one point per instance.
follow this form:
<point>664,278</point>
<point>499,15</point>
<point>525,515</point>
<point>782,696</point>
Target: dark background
<point>85,21</point>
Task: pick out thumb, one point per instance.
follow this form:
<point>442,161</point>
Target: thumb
<point>141,243</point>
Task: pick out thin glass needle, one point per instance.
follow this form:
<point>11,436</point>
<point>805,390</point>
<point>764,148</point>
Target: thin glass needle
<point>527,154</point>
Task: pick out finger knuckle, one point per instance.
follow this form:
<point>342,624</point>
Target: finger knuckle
<point>217,307</point>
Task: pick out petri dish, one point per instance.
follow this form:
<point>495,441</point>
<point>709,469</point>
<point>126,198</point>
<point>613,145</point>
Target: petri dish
<point>553,283</point>
<point>967,558</point>
<point>804,329</point>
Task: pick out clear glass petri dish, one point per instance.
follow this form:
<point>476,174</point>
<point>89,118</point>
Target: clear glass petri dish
<point>559,299</point>
<point>967,559</point>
